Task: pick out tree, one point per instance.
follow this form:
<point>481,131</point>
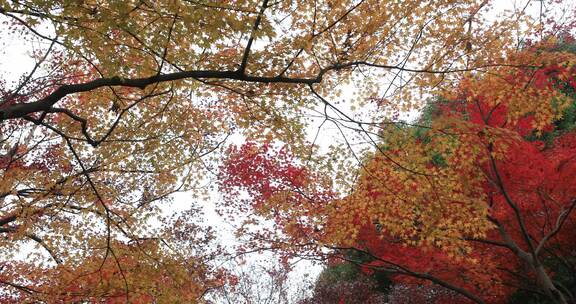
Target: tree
<point>138,273</point>
<point>527,187</point>
<point>346,283</point>
<point>131,101</point>
<point>477,197</point>
<point>260,281</point>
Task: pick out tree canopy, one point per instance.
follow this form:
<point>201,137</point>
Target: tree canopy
<point>129,102</point>
<point>477,196</point>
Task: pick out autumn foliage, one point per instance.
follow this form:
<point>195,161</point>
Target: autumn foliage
<point>139,273</point>
<point>476,197</point>
<point>511,144</point>
<point>120,105</point>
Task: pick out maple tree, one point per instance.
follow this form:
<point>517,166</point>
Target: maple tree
<point>128,102</point>
<point>493,139</point>
<point>476,197</point>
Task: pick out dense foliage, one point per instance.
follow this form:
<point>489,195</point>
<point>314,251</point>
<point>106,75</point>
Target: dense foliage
<point>487,209</point>
<point>121,104</point>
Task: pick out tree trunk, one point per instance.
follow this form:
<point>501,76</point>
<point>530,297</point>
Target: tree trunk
<point>547,286</point>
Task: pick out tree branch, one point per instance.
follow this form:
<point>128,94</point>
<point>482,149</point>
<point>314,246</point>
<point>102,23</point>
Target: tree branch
<point>44,104</point>
<point>559,222</point>
<point>246,54</point>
